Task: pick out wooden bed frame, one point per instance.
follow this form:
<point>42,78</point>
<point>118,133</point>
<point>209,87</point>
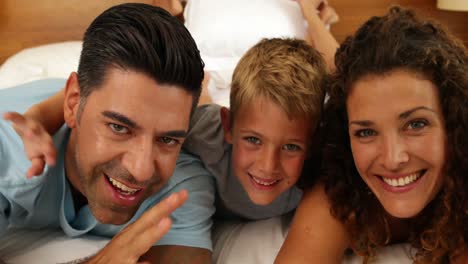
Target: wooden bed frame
<point>354,13</point>
<point>25,23</point>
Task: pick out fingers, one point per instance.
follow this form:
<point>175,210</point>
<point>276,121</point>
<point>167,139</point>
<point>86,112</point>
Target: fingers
<point>38,143</point>
<point>315,4</point>
<point>163,209</point>
<point>37,167</point>
<point>318,7</point>
<point>321,5</point>
<point>18,120</point>
<point>137,238</point>
<point>154,223</point>
<point>40,150</point>
<point>328,15</point>
<point>155,233</point>
<point>14,117</point>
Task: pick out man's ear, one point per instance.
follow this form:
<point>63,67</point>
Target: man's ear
<point>226,123</point>
<point>72,100</point>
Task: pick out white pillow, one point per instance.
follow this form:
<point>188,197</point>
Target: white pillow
<point>225,29</point>
<point>55,60</point>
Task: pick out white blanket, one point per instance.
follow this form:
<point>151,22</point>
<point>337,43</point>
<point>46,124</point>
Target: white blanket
<point>234,242</point>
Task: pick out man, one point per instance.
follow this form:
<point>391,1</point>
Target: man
<point>127,112</point>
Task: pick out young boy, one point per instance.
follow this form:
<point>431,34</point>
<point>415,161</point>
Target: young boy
<point>257,148</point>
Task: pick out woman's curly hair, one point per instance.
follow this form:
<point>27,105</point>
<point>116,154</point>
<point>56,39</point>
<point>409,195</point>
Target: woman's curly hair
<point>400,40</point>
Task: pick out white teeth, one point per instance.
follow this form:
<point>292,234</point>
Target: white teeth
<point>122,187</point>
<point>264,182</point>
<point>403,180</point>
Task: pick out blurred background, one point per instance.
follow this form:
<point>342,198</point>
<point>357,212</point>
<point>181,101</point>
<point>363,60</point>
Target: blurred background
<point>22,23</point>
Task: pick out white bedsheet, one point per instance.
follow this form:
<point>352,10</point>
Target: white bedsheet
<point>234,243</point>
<point>47,246</point>
<point>259,242</point>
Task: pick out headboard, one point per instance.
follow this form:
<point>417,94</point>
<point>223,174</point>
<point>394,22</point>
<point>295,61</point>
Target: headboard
<point>25,23</point>
<point>354,13</point>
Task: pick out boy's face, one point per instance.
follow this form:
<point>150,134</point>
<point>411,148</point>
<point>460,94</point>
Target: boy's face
<point>269,149</point>
<point>124,143</point>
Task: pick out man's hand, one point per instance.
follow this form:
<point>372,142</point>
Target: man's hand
<point>38,144</point>
<point>137,238</point>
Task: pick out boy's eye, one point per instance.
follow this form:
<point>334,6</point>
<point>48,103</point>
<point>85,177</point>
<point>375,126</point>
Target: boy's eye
<point>118,129</point>
<point>168,141</point>
<point>364,133</point>
<point>253,140</point>
<point>416,125</point>
<point>291,147</point>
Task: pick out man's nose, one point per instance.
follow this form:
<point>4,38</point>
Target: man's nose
<point>139,160</point>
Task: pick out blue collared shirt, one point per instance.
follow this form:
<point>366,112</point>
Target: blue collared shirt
<point>46,201</point>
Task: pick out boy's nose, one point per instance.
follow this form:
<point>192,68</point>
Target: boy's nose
<point>268,160</point>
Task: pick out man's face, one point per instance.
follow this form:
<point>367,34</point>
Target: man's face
<point>124,142</point>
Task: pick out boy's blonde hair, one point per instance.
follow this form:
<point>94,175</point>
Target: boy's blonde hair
<point>287,71</point>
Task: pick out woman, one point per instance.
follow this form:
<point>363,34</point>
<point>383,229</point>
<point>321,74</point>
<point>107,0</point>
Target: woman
<point>396,152</point>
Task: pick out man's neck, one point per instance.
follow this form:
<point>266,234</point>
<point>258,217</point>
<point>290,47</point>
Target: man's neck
<point>71,173</point>
<point>79,200</point>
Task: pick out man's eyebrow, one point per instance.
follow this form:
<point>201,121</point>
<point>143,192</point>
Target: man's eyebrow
<point>175,133</point>
<point>120,118</point>
<point>405,114</point>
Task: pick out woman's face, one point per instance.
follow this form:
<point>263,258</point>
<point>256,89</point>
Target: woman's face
<point>398,139</point>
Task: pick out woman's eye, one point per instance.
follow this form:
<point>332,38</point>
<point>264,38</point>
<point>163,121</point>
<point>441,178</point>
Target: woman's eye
<point>168,141</point>
<point>291,147</point>
<point>118,128</point>
<point>253,140</point>
<point>363,133</point>
<point>416,125</point>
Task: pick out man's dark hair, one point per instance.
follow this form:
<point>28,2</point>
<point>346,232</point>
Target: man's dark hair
<point>141,38</point>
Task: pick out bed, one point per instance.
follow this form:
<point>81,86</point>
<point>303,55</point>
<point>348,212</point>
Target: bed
<point>234,242</point>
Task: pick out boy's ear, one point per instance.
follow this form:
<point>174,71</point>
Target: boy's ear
<point>72,100</point>
<point>226,123</point>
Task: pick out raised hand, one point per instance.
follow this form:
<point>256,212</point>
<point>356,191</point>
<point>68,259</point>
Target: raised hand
<point>38,144</point>
<point>326,13</point>
<point>137,238</point>
<point>310,7</point>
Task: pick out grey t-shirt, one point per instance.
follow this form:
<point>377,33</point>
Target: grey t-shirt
<point>206,140</point>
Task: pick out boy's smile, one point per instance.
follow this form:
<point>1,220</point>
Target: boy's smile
<point>269,149</point>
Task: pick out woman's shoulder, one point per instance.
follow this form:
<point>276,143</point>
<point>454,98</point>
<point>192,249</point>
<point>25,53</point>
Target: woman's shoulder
<point>315,235</point>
